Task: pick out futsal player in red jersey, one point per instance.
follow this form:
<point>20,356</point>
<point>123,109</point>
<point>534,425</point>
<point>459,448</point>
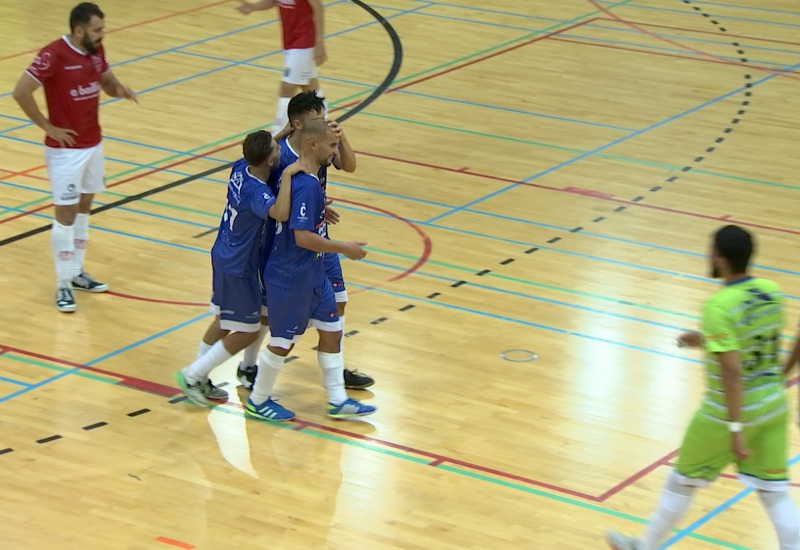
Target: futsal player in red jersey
<point>304,48</point>
<point>72,70</point>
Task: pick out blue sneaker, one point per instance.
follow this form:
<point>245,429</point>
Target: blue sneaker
<point>268,410</point>
<point>350,409</point>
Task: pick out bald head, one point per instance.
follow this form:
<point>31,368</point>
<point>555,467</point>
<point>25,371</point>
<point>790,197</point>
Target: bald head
<point>319,143</point>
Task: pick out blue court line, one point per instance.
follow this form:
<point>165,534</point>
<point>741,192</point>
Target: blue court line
<point>484,313</point>
<point>626,43</point>
<point>146,340</point>
<point>726,17</point>
<point>230,65</point>
<point>769,10</point>
<point>120,161</point>
<point>197,42</point>
<point>440,98</point>
<point>716,512</point>
<point>526,16</point>
<point>121,140</point>
<point>38,385</point>
<point>552,249</point>
<point>609,145</point>
<point>16,382</point>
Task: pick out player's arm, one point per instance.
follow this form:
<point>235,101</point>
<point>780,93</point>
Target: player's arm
<point>318,13</point>
<point>247,8</point>
<point>23,95</point>
<point>316,243</point>
<point>114,88</point>
<point>794,358</point>
<point>283,203</point>
<point>345,159</point>
<point>721,340</point>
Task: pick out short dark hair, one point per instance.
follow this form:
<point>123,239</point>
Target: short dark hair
<point>82,14</point>
<point>305,102</point>
<point>314,129</point>
<point>735,245</point>
<point>257,147</point>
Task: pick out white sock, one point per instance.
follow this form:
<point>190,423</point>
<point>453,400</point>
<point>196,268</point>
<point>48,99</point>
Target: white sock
<point>281,115</point>
<point>202,349</point>
<point>251,351</point>
<point>341,345</point>
<point>62,241</point>
<point>333,374</point>
<point>319,93</point>
<point>783,514</point>
<point>269,365</point>
<point>202,367</point>
<point>81,229</point>
<point>675,502</point>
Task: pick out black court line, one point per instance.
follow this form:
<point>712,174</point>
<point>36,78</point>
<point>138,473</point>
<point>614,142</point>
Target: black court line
<point>397,62</point>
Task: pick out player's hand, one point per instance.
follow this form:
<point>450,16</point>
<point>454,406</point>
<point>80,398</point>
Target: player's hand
<point>690,340</point>
<point>355,250</point>
<point>331,216</point>
<point>62,135</point>
<point>126,93</point>
<point>295,168</point>
<point>320,56</point>
<point>739,447</point>
<point>337,130</point>
<point>244,7</point>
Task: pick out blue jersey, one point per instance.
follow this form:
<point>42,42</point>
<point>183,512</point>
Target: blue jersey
<point>289,265</point>
<point>288,157</point>
<point>237,248</point>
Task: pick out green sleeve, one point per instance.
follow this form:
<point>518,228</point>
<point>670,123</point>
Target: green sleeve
<point>718,330</point>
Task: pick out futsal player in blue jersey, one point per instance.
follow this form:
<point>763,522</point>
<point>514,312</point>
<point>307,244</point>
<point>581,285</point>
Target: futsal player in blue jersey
<point>299,294</point>
<point>235,260</point>
<point>303,108</point>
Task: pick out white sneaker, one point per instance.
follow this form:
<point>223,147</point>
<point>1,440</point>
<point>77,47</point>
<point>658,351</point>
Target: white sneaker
<point>618,541</point>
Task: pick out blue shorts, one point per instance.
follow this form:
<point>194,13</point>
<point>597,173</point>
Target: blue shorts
<point>333,270</point>
<point>237,301</point>
<point>291,311</point>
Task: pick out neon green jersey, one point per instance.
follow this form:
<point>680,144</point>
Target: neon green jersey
<point>746,316</point>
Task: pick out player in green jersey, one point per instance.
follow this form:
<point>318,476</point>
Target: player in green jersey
<point>744,416</point>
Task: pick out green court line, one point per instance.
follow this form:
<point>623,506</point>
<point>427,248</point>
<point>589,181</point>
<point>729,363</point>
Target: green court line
<point>315,432</point>
<point>80,373</point>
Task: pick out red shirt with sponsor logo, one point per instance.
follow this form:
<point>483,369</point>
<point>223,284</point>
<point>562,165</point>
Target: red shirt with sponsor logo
<point>71,81</point>
<point>297,20</point>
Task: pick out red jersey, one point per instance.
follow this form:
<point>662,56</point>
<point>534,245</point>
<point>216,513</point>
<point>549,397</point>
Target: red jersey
<point>71,81</point>
<point>297,20</point>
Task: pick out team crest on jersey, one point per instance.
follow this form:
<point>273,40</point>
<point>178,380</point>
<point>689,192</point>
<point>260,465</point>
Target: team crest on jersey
<point>42,62</point>
<point>98,63</point>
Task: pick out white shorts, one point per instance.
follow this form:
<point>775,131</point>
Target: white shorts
<point>73,172</point>
<point>300,68</point>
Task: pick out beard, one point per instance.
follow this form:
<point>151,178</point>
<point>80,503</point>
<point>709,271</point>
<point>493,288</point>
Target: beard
<point>326,162</point>
<point>89,45</point>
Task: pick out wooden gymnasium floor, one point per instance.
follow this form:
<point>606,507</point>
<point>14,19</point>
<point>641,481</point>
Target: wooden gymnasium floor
<point>540,176</point>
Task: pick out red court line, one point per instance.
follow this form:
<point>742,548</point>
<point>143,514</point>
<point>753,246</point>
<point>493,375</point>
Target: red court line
<point>715,33</point>
<point>427,244</point>
<point>588,193</point>
<point>493,54</point>
<point>155,300</point>
<point>650,52</point>
<point>133,25</point>
<point>128,381</point>
<point>23,172</point>
<point>619,487</point>
<point>635,26</point>
<point>436,459</point>
<point>177,543</point>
